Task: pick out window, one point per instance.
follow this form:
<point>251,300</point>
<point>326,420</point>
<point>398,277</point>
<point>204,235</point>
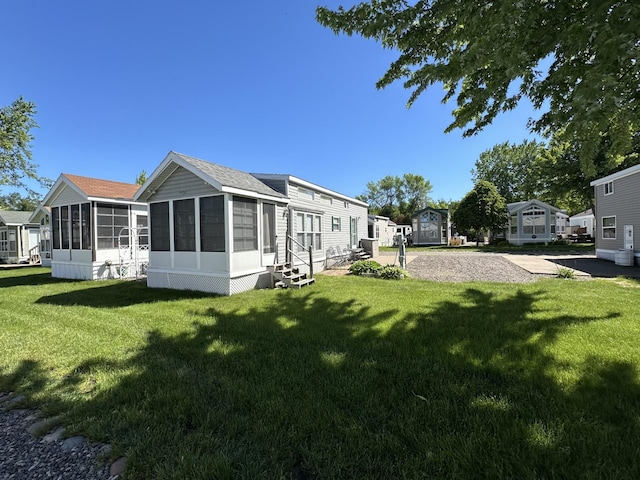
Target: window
<point>160,241</point>
<point>75,227</point>
<point>142,223</point>
<point>85,225</point>
<point>3,241</point>
<point>513,225</point>
<point>429,226</point>
<point>609,227</point>
<point>212,236</point>
<point>184,225</point>
<point>13,244</point>
<point>64,227</point>
<point>268,228</point>
<point>336,224</point>
<point>55,220</point>
<point>111,219</point>
<point>608,188</point>
<point>308,231</point>
<point>534,221</point>
<point>326,199</point>
<point>552,224</point>
<point>305,194</point>
<point>245,224</point>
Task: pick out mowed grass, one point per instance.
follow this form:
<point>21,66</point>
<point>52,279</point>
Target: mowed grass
<point>350,378</point>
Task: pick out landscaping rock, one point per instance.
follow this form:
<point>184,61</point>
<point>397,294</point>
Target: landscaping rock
<point>72,443</point>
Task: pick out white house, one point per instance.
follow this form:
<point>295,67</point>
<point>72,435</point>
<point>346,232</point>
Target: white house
<point>584,222</point>
<point>97,230</point>
<point>534,221</point>
<point>19,237</point>
<point>617,197</point>
<point>382,229</point>
<point>217,229</point>
<point>42,217</point>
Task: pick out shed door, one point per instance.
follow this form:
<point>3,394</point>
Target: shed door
<point>628,237</point>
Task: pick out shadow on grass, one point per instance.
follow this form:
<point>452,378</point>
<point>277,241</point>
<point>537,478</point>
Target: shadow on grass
<point>306,386</point>
<point>28,277</point>
<point>118,293</point>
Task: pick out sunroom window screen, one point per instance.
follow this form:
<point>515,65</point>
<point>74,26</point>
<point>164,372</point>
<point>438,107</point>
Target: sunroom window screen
<point>160,241</point>
<point>212,237</point>
<point>245,224</point>
<point>184,225</point>
<point>111,219</point>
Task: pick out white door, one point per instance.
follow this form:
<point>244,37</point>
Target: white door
<point>628,237</point>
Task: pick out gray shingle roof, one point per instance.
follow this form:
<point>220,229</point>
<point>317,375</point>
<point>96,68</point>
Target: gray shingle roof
<point>230,177</point>
<point>10,217</point>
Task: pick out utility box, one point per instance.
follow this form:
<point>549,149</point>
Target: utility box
<point>370,246</point>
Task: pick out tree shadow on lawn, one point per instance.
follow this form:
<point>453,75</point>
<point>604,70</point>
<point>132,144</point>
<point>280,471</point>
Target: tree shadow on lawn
<point>18,278</point>
<point>118,293</point>
<point>304,386</point>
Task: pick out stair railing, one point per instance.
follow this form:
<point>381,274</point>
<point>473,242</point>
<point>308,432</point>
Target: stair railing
<point>34,254</point>
<point>290,253</point>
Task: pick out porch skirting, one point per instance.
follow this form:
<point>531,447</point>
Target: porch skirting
<point>208,282</point>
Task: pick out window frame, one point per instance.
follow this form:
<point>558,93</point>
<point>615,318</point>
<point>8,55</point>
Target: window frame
<point>245,224</point>
<point>608,188</point>
<point>184,225</point>
<point>160,240</point>
<point>609,227</point>
<point>215,241</point>
<point>534,213</point>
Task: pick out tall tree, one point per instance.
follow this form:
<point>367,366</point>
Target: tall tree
<point>577,60</point>
<point>16,122</point>
<point>513,169</point>
<point>15,201</point>
<point>397,197</point>
<point>141,178</point>
<point>483,209</point>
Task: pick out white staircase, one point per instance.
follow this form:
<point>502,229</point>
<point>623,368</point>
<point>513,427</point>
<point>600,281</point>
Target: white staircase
<point>284,275</point>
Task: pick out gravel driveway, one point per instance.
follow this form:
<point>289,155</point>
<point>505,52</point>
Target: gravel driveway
<point>445,266</point>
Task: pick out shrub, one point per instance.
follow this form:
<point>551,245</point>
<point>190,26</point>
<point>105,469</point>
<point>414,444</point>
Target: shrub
<point>363,267</point>
<point>391,272</point>
<point>564,272</point>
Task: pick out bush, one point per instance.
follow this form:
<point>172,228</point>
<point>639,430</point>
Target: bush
<point>564,272</point>
<point>363,267</point>
<point>391,272</point>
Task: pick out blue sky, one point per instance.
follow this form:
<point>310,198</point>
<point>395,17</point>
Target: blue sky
<point>258,86</point>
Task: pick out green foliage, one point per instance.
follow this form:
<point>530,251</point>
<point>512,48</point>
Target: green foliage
<point>482,209</point>
<point>392,272</point>
<point>16,122</point>
<point>513,169</point>
<point>397,197</point>
<point>15,201</point>
<point>362,267</point>
<point>577,60</point>
<point>564,272</point>
<point>141,178</point>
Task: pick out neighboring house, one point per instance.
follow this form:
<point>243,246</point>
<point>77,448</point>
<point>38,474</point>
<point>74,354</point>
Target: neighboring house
<point>382,229</point>
<point>42,216</point>
<point>217,229</point>
<point>583,222</point>
<point>97,230</point>
<point>534,221</point>
<point>19,237</point>
<point>431,226</point>
<point>617,201</point>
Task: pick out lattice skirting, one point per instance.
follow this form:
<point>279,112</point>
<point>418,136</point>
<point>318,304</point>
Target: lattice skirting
<point>208,283</point>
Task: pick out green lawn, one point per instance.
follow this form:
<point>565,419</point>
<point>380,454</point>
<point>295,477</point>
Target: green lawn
<point>350,378</point>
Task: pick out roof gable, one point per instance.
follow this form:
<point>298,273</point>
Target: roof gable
<point>223,179</point>
<point>94,187</point>
<point>12,217</point>
<point>517,206</point>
